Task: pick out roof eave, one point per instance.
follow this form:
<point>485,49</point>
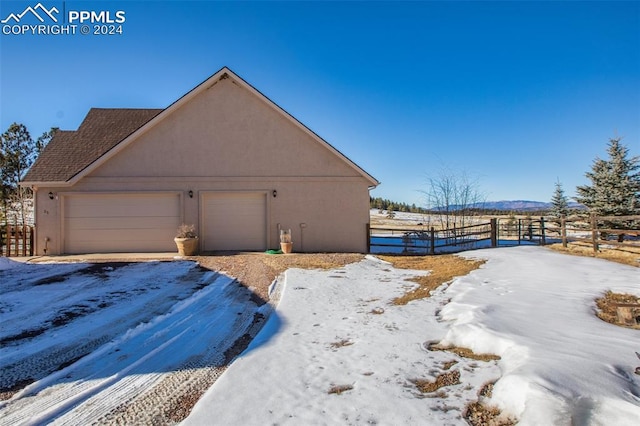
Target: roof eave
<point>47,184</point>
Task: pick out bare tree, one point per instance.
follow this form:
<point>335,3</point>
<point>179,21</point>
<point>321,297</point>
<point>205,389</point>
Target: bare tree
<point>452,196</point>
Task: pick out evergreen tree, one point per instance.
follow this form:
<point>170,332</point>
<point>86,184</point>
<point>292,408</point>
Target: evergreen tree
<point>17,153</point>
<point>559,202</point>
<point>44,139</point>
<point>615,183</point>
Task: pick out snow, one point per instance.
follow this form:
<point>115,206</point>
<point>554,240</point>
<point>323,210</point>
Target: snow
<point>113,338</point>
<point>139,336</point>
<point>533,307</point>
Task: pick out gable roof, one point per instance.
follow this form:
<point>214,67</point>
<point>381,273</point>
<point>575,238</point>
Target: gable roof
<point>105,132</point>
<point>69,152</point>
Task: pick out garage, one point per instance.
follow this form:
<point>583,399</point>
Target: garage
<point>234,221</point>
<point>116,222</point>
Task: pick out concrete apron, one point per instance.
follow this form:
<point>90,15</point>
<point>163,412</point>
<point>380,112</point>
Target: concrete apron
<point>99,257</point>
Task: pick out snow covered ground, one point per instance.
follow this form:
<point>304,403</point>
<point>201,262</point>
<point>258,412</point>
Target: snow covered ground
<point>139,343</point>
<point>560,364</point>
<point>114,343</point>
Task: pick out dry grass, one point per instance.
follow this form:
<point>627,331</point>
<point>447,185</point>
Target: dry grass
<point>258,270</point>
<point>338,389</point>
<point>463,352</point>
<point>341,344</point>
<point>627,255</point>
<point>450,378</point>
<point>607,306</point>
<point>486,390</point>
<point>444,268</point>
<point>447,365</point>
<point>478,414</point>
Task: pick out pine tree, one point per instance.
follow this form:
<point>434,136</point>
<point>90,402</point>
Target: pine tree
<point>44,139</point>
<point>17,152</point>
<point>559,202</point>
<point>615,183</point>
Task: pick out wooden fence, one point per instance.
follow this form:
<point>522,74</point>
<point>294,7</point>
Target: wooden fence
<point>595,230</point>
<point>425,240</point>
<point>16,240</point>
<point>614,231</point>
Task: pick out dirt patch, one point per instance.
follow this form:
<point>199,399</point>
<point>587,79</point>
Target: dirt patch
<point>338,389</point>
<point>627,255</point>
<point>444,268</point>
<point>258,270</point>
<point>26,334</point>
<point>450,378</point>
<point>51,280</point>
<point>478,414</point>
<point>341,344</point>
<point>608,307</point>
<point>463,352</point>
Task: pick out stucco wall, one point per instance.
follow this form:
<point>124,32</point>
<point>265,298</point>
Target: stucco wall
<point>228,139</point>
<point>225,131</point>
<point>334,212</point>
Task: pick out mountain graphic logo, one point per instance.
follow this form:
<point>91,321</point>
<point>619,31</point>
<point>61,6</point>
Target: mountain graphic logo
<point>38,11</point>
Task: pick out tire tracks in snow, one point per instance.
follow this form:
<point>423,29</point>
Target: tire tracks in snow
<point>154,373</point>
<point>35,366</point>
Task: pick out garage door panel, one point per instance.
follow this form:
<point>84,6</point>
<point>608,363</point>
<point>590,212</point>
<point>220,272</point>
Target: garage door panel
<point>234,221</point>
<point>132,223</point>
<point>120,222</point>
<point>120,246</point>
<point>118,206</point>
<point>122,235</point>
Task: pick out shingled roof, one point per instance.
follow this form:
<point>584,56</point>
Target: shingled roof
<point>70,152</point>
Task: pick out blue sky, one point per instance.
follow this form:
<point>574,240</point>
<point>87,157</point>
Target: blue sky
<point>517,94</point>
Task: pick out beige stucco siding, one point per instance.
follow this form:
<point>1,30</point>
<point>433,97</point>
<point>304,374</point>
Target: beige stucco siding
<point>225,131</point>
<point>335,211</point>
<point>228,138</point>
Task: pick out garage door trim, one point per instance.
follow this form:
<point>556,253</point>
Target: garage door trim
<point>63,214</point>
<point>203,217</point>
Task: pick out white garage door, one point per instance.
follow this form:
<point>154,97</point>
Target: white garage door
<point>109,223</point>
<point>234,221</point>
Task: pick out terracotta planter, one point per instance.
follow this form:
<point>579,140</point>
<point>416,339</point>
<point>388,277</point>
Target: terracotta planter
<point>186,246</point>
<point>286,247</point>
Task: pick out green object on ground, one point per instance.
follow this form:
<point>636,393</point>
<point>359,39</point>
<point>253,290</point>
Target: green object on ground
<point>274,251</point>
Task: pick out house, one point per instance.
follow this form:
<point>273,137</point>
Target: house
<point>223,157</point>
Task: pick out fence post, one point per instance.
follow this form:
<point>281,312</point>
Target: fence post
<point>494,232</point>
<point>9,240</point>
<point>594,232</point>
<point>368,233</point>
<point>563,230</point>
<point>519,230</point>
<point>433,240</point>
<point>31,236</point>
<point>24,240</point>
<point>542,234</point>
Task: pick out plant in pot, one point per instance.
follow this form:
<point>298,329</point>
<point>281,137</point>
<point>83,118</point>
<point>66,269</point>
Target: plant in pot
<point>285,241</point>
<point>186,240</point>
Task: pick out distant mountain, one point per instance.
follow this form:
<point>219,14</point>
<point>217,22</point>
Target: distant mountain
<point>520,205</point>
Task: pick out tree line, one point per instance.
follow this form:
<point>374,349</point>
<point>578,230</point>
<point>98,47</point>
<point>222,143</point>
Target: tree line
<point>614,188</point>
<point>18,151</point>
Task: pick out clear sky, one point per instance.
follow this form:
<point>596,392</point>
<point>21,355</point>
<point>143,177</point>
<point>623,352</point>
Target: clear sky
<point>517,94</point>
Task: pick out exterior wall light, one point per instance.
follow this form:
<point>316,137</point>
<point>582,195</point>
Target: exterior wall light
<point>190,194</point>
<point>274,193</point>
<point>50,195</point>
